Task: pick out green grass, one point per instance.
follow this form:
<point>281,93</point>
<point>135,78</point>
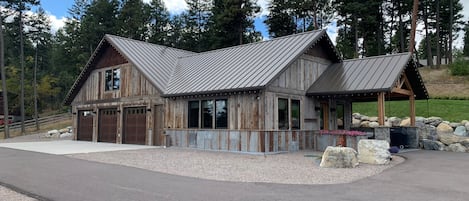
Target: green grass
<point>449,110</point>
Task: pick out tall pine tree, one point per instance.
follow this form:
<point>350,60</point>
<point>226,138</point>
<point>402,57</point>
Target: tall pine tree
<point>133,19</point>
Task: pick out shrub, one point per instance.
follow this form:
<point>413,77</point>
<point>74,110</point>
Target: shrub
<point>460,67</point>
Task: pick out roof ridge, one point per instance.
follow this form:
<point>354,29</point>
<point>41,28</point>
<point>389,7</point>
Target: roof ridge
<point>148,43</point>
<point>255,43</point>
<point>378,56</point>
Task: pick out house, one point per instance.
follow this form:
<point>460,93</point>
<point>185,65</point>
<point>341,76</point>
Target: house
<point>262,97</point>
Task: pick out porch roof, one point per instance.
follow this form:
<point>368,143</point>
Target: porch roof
<point>360,78</point>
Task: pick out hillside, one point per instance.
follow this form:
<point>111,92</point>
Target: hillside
<point>440,84</point>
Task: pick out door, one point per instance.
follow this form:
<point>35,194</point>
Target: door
<point>85,125</point>
<point>107,131</point>
<point>158,126</point>
<point>135,124</point>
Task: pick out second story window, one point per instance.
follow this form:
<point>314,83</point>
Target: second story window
<point>112,79</point>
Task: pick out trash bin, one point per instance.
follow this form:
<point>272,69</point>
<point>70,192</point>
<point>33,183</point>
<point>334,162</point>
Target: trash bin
<point>399,137</point>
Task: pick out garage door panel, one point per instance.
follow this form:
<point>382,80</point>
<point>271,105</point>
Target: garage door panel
<point>135,123</point>
<point>85,125</point>
<point>107,125</point>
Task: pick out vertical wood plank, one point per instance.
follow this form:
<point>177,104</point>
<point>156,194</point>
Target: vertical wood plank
<point>381,108</point>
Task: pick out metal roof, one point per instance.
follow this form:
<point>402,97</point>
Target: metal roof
<point>245,67</point>
<point>369,75</point>
<point>155,62</point>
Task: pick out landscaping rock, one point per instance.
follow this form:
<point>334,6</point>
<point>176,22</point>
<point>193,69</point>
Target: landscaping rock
<point>405,122</point>
<point>394,121</point>
<point>461,131</point>
<point>373,124</point>
<point>464,122</point>
<point>448,138</point>
<point>433,145</point>
<point>52,133</point>
<point>428,132</point>
<point>356,123</point>
<point>465,143</point>
<point>457,148</point>
<point>374,152</point>
<point>357,115</point>
<point>467,126</point>
<point>340,122</point>
<point>364,118</point>
<point>365,124</point>
<point>64,130</point>
<point>420,119</point>
<point>65,135</point>
<point>454,125</point>
<point>339,157</point>
<point>373,119</point>
<point>387,124</point>
<point>444,128</point>
<point>434,121</point>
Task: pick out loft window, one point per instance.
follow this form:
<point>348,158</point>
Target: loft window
<point>193,118</point>
<point>288,114</point>
<point>112,78</point>
<point>212,114</point>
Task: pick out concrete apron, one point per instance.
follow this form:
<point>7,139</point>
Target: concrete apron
<point>63,147</point>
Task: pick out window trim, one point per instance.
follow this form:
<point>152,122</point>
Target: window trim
<point>200,114</point>
<point>289,112</point>
<point>113,86</point>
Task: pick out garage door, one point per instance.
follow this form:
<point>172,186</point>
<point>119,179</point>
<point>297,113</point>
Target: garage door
<point>135,124</point>
<point>107,131</point>
<point>85,125</point>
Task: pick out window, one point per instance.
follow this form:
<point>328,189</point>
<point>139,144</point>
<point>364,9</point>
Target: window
<point>112,79</point>
<point>340,115</point>
<point>285,119</point>
<point>283,113</point>
<point>193,118</point>
<point>212,113</point>
<point>295,114</point>
<point>221,120</point>
<point>207,114</point>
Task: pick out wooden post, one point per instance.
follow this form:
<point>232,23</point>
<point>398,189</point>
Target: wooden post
<point>381,111</point>
<point>412,109</point>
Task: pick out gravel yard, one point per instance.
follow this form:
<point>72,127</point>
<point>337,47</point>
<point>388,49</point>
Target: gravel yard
<point>7,194</point>
<point>288,168</point>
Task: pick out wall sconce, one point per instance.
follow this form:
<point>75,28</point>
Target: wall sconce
<point>148,109</point>
<point>74,113</point>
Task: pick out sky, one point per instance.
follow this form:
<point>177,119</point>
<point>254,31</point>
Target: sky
<point>57,10</point>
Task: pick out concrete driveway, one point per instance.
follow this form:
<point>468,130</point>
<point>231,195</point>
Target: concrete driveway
<point>62,147</point>
<point>426,175</point>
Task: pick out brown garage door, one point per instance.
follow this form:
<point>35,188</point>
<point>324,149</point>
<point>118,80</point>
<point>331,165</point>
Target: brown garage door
<point>135,124</point>
<point>107,131</point>
<point>85,125</point>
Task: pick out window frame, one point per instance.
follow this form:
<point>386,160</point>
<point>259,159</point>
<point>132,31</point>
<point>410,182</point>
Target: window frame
<point>288,114</point>
<point>112,79</point>
<point>213,121</point>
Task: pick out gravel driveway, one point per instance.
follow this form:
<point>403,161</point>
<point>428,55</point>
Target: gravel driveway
<point>7,194</point>
<point>289,168</point>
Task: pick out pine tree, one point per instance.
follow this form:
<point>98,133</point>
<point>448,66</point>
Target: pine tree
<point>133,19</point>
<point>279,21</point>
<point>159,23</point>
<point>466,40</point>
<point>196,21</point>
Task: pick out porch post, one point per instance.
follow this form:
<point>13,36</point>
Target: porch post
<point>412,109</point>
<point>381,97</point>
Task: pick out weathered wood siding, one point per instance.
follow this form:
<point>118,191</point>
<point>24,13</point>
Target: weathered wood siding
<point>245,111</point>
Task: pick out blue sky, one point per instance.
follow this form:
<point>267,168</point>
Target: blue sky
<point>58,10</point>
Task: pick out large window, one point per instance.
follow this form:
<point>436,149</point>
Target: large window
<point>288,114</point>
<point>212,114</point>
<point>193,118</point>
<point>112,78</point>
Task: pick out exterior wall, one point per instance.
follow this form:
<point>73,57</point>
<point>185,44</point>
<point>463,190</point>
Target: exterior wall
<point>135,91</point>
<point>244,111</point>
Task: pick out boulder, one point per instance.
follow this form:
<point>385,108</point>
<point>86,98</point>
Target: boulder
<point>373,124</point>
<point>387,124</point>
<point>394,121</point>
<point>444,128</point>
<point>52,133</point>
<point>433,145</point>
<point>365,118</point>
<point>340,122</point>
<point>373,152</point>
<point>457,148</point>
<point>461,131</point>
<point>357,115</point>
<point>405,122</point>
<point>427,132</point>
<point>464,122</point>
<point>64,130</point>
<point>420,119</point>
<point>454,125</point>
<point>373,119</point>
<point>467,126</point>
<point>339,157</point>
<point>355,123</point>
<point>365,124</point>
<point>66,135</point>
<point>449,138</point>
<point>434,121</point>
<point>465,143</point>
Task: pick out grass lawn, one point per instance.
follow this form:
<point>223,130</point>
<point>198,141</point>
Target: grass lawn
<point>449,110</point>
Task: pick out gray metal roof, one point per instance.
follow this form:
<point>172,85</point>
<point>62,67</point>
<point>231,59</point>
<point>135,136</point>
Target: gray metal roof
<point>368,75</point>
<point>250,66</point>
<point>156,62</point>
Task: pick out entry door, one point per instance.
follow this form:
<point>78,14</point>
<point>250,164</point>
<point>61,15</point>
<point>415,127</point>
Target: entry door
<point>135,124</point>
<point>324,124</point>
<point>85,125</point>
<point>158,125</point>
<point>107,131</point>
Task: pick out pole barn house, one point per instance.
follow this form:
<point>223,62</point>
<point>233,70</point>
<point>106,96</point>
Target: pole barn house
<point>268,96</point>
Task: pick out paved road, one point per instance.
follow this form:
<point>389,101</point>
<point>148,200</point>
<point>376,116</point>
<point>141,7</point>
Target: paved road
<point>426,175</point>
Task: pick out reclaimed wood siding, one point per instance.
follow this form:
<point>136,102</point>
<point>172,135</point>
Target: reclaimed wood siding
<point>244,111</point>
<point>133,84</point>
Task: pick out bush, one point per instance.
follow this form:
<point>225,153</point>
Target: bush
<point>460,67</point>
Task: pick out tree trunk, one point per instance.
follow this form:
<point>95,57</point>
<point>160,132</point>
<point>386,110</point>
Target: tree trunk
<point>427,36</point>
<point>4,83</point>
<point>414,26</point>
<point>392,26</point>
<point>35,89</point>
<point>22,73</point>
<point>450,47</point>
<point>401,30</point>
<point>438,44</point>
